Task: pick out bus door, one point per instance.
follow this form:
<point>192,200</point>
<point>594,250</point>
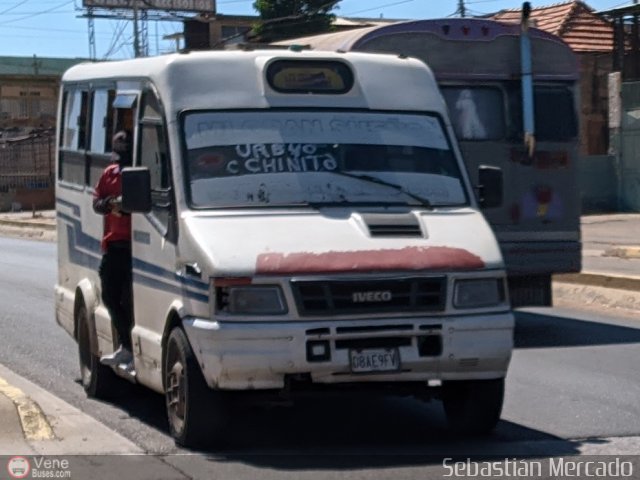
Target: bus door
<point>154,238</point>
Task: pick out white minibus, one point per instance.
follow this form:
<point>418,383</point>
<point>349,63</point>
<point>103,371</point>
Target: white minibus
<point>301,222</point>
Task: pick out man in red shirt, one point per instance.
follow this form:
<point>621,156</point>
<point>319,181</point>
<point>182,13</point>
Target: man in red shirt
<point>115,268</point>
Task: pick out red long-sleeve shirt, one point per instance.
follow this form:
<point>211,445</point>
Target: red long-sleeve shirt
<point>116,227</point>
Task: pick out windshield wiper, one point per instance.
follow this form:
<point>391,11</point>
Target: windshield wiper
<point>370,178</point>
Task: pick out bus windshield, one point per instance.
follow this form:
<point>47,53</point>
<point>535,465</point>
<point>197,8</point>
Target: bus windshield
<point>286,158</point>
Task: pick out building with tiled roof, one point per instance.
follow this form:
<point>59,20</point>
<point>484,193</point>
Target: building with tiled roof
<point>592,38</point>
<point>575,22</point>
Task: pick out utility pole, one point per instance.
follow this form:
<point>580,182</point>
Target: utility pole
<point>143,31</point>
<point>136,35</point>
<point>140,12</point>
<point>92,34</point>
<point>461,8</point>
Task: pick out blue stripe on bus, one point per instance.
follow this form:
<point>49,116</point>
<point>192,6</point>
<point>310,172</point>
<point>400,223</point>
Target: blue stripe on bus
<point>76,208</point>
<point>85,250</point>
<point>167,287</point>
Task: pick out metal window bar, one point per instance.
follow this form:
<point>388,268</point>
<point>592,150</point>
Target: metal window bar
<point>27,162</point>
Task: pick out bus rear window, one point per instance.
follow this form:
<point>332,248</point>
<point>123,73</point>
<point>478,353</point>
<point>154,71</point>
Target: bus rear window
<point>477,113</point>
<point>554,110</point>
<point>555,114</point>
<point>295,76</point>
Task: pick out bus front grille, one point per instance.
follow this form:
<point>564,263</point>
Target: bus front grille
<point>330,297</point>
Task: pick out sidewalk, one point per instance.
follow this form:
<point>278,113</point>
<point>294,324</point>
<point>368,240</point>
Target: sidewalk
<point>41,226</point>
<point>33,421</point>
<point>610,274</point>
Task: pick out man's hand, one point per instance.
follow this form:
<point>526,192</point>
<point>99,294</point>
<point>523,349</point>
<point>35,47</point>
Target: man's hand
<point>116,206</point>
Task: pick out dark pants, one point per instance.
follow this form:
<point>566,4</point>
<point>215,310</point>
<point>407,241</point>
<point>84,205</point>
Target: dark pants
<point>115,275</point>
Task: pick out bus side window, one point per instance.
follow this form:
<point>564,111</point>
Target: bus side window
<point>154,155</point>
<point>101,133</point>
<point>74,129</point>
<point>124,105</point>
<point>73,137</point>
<point>101,121</point>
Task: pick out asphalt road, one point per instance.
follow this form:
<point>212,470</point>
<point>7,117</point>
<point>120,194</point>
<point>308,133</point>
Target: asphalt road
<point>573,382</point>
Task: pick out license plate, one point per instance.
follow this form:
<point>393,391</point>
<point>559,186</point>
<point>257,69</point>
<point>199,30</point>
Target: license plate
<point>375,360</point>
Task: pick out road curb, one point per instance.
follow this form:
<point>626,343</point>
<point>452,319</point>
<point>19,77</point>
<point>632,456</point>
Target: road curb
<point>599,280</point>
<point>623,252</point>
<point>34,423</point>
<point>604,291</point>
<point>76,432</point>
<point>28,224</point>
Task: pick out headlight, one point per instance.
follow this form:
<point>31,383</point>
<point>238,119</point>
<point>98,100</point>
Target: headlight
<point>478,293</point>
<point>251,300</point>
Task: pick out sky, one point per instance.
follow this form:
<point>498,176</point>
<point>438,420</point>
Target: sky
<point>51,28</point>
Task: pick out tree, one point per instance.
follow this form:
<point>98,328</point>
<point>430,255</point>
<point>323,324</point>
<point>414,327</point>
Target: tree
<point>281,19</point>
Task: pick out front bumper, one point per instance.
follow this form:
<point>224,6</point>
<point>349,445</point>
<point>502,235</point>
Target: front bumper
<point>540,257</point>
<point>259,355</point>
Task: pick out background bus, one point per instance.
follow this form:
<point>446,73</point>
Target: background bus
<point>477,65</point>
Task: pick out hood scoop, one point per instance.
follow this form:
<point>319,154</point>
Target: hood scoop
<point>394,225</point>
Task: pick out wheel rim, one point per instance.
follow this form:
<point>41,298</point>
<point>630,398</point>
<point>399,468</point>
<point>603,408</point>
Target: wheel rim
<point>176,392</point>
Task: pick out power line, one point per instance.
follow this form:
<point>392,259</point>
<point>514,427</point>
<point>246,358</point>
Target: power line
<point>38,13</point>
<point>477,13</point>
<point>482,1</point>
<point>379,7</point>
<point>15,6</point>
<point>47,29</point>
<point>117,33</point>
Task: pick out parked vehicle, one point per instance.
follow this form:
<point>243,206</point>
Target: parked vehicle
<point>478,65</point>
<point>298,225</point>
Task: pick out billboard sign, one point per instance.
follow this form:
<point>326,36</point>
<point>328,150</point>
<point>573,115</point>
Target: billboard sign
<point>202,6</point>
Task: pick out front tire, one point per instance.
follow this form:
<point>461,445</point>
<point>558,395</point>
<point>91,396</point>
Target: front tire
<point>196,413</point>
<point>98,380</point>
<point>473,407</point>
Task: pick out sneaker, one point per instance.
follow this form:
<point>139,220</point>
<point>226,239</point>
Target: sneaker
<point>121,355</point>
<point>128,368</point>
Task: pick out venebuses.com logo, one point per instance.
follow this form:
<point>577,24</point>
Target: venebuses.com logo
<point>38,467</point>
<point>18,467</point>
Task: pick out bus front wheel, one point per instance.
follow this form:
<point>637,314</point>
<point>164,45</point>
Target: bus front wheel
<point>196,413</point>
<point>473,407</point>
<point>98,380</point>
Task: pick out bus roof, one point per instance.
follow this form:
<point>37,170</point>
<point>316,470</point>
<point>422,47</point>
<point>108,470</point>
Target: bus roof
<point>457,48</point>
<point>236,79</point>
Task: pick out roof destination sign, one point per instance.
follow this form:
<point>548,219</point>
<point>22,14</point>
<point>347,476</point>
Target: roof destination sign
<point>204,6</point>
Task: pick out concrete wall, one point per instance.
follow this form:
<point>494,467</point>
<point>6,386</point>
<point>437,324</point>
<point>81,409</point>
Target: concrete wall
<point>27,199</point>
<point>598,183</point>
<point>629,155</point>
<point>594,133</point>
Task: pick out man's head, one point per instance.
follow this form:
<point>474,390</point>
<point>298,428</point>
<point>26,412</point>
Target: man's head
<point>121,146</point>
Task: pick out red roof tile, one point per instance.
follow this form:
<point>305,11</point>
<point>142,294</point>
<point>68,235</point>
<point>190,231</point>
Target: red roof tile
<point>575,22</point>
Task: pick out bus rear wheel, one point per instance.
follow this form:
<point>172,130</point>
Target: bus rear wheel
<point>196,413</point>
<point>473,407</point>
<point>98,380</point>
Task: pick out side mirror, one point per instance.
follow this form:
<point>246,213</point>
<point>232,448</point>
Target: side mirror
<point>136,190</point>
<point>490,187</point>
